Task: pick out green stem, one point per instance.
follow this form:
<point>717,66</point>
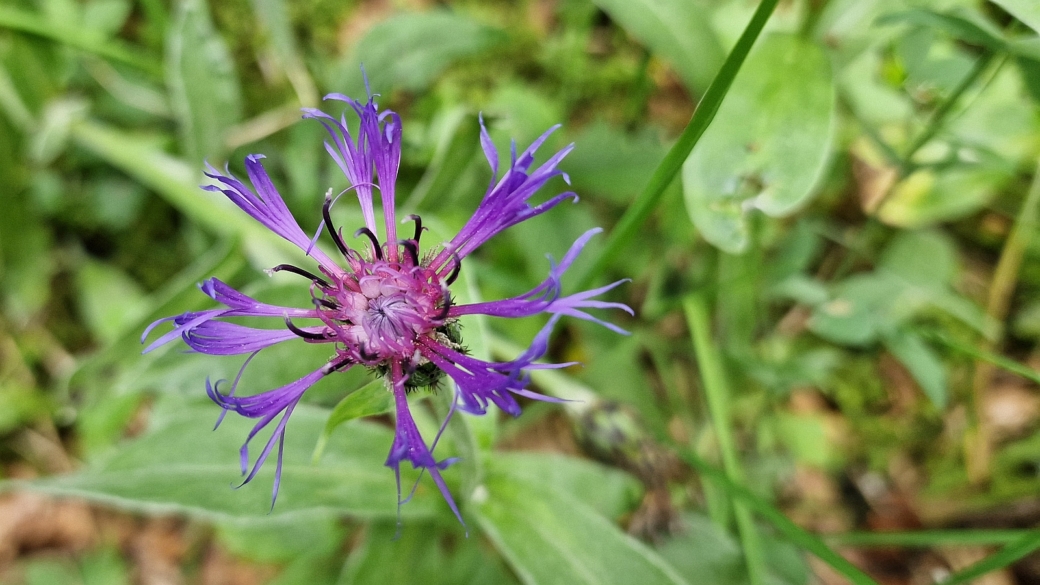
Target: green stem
<point>930,538</point>
<point>1006,556</point>
<point>936,121</point>
<point>1001,289</point>
<point>644,204</point>
<point>987,356</point>
<point>717,394</point>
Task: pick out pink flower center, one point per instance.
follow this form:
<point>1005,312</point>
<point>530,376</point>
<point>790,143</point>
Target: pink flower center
<point>382,309</point>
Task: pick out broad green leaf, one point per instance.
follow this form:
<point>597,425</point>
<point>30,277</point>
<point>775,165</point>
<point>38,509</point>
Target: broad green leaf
<point>552,536</point>
<point>926,259</point>
<point>768,145</point>
<point>408,51</point>
<point>926,367</point>
<point>279,539</point>
<point>182,465</point>
<point>677,30</point>
<point>606,490</point>
<point>1028,11</point>
<point>369,400</point>
<point>927,197</point>
<point>421,553</point>
<point>861,308</point>
<point>204,89</point>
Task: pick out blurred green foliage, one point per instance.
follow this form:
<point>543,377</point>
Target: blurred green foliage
<point>856,212</point>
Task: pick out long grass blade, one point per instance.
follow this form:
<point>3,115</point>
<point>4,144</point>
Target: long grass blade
<point>644,204</point>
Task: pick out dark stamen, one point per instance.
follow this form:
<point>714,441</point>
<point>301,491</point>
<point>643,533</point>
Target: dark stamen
<point>454,270</point>
<point>446,308</point>
<point>327,304</point>
<point>332,230</point>
<point>368,357</point>
<point>375,241</point>
<point>413,250</point>
<point>300,271</point>
<point>302,333</point>
<point>334,366</point>
<point>418,226</point>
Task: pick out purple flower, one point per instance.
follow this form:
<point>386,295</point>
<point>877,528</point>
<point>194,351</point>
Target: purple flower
<point>388,306</point>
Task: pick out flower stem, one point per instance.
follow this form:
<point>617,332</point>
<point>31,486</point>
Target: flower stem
<point>717,394</point>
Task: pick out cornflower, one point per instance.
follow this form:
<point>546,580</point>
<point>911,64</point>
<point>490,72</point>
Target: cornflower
<point>388,306</point>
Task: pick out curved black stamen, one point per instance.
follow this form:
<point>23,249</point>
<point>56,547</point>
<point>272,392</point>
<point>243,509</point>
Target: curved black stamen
<point>332,230</point>
<point>365,355</point>
<point>300,271</point>
<point>454,269</point>
<point>418,226</point>
<point>446,308</point>
<point>413,250</point>
<point>327,304</point>
<point>375,241</point>
<point>335,366</point>
<point>302,333</point>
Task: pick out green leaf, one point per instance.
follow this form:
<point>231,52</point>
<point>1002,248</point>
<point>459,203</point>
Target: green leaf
<point>204,89</point>
<point>553,536</point>
<point>183,466</point>
<point>606,490</point>
<point>77,37</point>
<point>1028,11</point>
<point>924,258</point>
<point>862,307</point>
<point>408,51</point>
<point>926,367</point>
<point>965,27</point>
<point>422,553</point>
<point>643,205</point>
<point>768,146</point>
<point>109,300</point>
<point>677,30</point>
<point>369,400</point>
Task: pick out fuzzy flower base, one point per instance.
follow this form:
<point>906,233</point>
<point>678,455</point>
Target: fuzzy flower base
<point>388,305</point>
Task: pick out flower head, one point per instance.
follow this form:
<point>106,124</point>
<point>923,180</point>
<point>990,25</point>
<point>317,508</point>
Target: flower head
<point>386,306</point>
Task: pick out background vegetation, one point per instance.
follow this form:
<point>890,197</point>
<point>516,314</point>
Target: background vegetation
<point>835,342</point>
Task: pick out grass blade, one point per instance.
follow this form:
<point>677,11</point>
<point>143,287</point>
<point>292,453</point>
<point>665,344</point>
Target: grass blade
<point>792,531</point>
<point>27,22</point>
<point>717,393</point>
<point>1006,556</point>
<point>644,204</point>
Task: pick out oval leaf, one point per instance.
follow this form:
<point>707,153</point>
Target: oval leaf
<point>550,536</point>
<point>183,465</point>
<point>768,144</point>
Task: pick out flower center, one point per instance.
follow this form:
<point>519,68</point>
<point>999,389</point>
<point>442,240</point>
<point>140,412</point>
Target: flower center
<point>382,308</point>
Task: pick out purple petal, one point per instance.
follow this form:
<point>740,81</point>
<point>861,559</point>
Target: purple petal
<point>265,205</point>
<point>222,338</point>
<point>409,445</point>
